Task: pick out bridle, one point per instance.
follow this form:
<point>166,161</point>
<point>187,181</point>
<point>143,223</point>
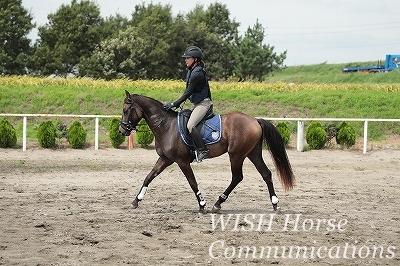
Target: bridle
<point>129,126</point>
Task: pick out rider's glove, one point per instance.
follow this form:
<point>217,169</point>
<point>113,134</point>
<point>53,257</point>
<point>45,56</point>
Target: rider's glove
<point>169,106</point>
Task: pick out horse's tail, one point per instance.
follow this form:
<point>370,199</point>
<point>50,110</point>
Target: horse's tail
<point>277,150</point>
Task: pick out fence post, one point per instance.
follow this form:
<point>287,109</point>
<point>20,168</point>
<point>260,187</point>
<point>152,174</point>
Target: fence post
<point>96,134</point>
<point>24,133</point>
<point>130,141</point>
<point>365,136</point>
<point>300,135</point>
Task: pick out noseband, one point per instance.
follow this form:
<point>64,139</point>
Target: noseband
<point>128,126</point>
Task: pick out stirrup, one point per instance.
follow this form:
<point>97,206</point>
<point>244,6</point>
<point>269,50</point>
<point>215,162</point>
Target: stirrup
<point>200,155</point>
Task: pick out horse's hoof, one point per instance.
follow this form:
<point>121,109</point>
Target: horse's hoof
<point>135,204</point>
<point>216,209</point>
<point>202,210</point>
<point>276,208</point>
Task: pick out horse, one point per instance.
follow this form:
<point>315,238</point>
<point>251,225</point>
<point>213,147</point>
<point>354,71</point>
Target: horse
<point>242,136</point>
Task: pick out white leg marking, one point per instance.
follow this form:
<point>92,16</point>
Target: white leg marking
<point>274,199</point>
<point>142,193</point>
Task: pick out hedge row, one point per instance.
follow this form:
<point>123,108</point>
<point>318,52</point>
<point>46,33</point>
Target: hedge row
<point>49,132</point>
<point>317,136</point>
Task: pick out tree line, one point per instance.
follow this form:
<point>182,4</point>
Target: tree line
<point>148,45</point>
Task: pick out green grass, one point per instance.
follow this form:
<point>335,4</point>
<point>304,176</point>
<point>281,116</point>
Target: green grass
<point>331,74</point>
<point>318,91</point>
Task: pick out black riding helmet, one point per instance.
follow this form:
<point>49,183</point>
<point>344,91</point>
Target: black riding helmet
<point>193,51</point>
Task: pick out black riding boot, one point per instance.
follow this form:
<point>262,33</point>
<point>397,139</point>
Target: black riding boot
<point>201,151</point>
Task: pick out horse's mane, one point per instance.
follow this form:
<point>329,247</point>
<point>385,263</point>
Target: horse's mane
<point>145,98</point>
<point>148,101</point>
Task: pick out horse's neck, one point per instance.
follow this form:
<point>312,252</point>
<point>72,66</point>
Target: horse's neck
<point>153,112</point>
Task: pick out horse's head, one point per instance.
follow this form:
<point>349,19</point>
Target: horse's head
<point>131,115</point>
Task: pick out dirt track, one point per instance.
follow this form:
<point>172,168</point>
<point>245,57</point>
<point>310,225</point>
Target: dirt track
<point>72,207</point>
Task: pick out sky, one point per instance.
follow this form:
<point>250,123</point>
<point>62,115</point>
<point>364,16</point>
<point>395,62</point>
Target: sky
<point>311,31</point>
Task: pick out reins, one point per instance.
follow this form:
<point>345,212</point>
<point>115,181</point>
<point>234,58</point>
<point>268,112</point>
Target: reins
<point>128,125</point>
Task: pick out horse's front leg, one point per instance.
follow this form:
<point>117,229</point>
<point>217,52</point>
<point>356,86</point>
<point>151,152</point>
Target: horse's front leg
<point>160,165</point>
<point>188,172</point>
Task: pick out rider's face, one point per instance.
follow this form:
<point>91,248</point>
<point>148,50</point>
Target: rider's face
<point>189,61</point>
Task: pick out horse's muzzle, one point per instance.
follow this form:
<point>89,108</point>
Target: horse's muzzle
<point>123,132</point>
<point>125,128</point>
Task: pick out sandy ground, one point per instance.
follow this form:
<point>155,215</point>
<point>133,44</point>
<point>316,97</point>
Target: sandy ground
<point>72,207</point>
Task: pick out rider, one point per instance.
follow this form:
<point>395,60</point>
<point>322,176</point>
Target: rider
<point>198,92</point>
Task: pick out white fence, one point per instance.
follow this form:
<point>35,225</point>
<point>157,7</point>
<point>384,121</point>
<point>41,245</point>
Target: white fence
<point>96,117</point>
<point>300,125</point>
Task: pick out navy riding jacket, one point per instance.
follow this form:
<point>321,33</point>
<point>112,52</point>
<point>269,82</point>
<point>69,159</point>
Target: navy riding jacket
<point>197,87</point>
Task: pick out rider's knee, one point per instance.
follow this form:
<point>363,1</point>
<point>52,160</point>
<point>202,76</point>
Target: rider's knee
<point>190,128</point>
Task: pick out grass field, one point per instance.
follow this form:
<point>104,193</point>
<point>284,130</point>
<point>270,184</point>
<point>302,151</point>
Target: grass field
<point>331,74</point>
<point>304,91</point>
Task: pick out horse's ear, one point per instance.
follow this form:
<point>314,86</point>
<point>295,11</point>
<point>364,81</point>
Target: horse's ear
<point>128,95</point>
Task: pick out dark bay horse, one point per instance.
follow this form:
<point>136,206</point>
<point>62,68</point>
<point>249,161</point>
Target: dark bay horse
<point>242,136</point>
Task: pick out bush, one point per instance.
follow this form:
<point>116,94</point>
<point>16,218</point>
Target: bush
<point>284,130</point>
<point>61,130</point>
<point>346,135</point>
<point>316,136</point>
<point>116,138</point>
<point>47,135</point>
<point>77,135</point>
<point>8,136</point>
<point>144,136</point>
<point>331,132</point>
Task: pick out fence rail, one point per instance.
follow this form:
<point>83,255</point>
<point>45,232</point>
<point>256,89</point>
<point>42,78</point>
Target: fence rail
<point>300,125</point>
<point>24,124</point>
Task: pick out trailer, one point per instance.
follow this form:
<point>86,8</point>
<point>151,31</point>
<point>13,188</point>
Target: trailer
<point>392,62</point>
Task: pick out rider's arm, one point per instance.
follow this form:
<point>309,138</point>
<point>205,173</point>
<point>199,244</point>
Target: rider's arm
<point>191,85</point>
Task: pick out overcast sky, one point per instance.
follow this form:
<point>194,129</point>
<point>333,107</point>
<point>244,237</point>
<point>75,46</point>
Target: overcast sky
<point>312,31</point>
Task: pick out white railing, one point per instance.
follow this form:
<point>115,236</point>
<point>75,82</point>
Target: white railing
<point>300,125</point>
<point>96,131</point>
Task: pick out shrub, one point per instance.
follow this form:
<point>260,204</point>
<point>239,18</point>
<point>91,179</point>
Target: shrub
<point>346,135</point>
<point>8,136</point>
<point>331,132</point>
<point>316,136</point>
<point>47,135</point>
<point>116,138</point>
<point>284,130</point>
<point>77,135</point>
<point>144,136</point>
<point>61,130</point>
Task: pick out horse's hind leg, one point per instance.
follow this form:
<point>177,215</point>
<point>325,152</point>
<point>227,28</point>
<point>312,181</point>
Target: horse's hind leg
<point>160,165</point>
<point>256,158</point>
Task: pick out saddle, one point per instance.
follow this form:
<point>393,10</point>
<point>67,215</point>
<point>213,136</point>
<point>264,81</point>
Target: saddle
<point>209,127</point>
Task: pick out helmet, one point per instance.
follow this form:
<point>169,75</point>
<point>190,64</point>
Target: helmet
<point>193,51</point>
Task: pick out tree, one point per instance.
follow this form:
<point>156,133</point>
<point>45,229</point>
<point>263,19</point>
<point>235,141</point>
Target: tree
<point>113,25</point>
<point>119,57</point>
<point>149,48</point>
<point>15,24</point>
<point>72,33</point>
<point>216,34</point>
<point>254,60</point>
<point>163,39</point>
<point>219,23</point>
